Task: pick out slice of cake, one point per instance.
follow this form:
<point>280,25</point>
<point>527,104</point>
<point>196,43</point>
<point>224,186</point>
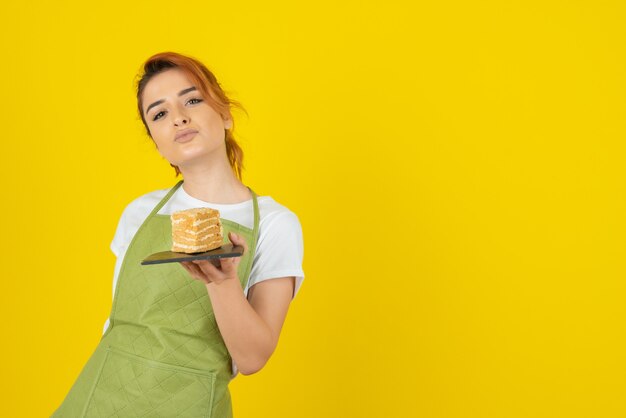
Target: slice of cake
<point>196,230</point>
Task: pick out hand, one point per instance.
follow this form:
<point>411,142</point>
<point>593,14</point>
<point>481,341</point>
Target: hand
<point>217,270</point>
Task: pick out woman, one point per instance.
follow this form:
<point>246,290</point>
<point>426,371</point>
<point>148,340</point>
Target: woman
<point>179,332</point>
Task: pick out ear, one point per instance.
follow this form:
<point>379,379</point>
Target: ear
<point>228,123</point>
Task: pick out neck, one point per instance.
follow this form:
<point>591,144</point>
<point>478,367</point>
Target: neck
<point>214,182</point>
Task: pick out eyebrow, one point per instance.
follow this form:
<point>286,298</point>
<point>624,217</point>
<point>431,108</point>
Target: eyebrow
<point>180,93</point>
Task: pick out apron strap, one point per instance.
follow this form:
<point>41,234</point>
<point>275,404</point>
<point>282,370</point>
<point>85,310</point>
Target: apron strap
<point>165,199</point>
<point>255,231</point>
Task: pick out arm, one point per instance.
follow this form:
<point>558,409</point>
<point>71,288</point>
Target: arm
<point>250,327</point>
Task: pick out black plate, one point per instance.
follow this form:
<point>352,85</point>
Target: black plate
<point>225,251</point>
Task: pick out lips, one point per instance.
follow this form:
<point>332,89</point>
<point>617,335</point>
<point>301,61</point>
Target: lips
<point>184,133</point>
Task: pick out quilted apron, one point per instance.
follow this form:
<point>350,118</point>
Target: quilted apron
<point>162,354</point>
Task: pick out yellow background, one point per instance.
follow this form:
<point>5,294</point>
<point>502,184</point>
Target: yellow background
<point>457,168</point>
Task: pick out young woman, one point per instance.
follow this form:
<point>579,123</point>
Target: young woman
<point>179,332</point>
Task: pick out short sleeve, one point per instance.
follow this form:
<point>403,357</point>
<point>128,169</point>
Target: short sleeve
<point>280,249</point>
<point>119,237</point>
<point>127,226</point>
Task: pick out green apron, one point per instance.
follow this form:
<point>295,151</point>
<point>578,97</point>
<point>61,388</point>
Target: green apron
<point>162,354</point>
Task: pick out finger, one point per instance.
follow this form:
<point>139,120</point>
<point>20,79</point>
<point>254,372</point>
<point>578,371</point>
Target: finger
<point>229,265</point>
<point>194,271</point>
<point>239,240</point>
<point>207,268</point>
<point>236,260</point>
<point>187,266</point>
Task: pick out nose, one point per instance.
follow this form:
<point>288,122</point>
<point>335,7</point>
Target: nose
<point>181,119</point>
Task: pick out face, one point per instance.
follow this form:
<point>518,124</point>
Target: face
<point>180,107</point>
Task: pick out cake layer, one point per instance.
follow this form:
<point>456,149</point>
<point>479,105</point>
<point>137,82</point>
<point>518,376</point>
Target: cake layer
<point>187,222</point>
<point>203,234</point>
<point>199,213</point>
<point>186,248</point>
<point>196,230</point>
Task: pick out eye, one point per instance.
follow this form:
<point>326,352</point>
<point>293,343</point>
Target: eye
<point>157,115</point>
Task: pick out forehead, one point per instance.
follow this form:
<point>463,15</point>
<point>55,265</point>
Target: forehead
<point>167,83</point>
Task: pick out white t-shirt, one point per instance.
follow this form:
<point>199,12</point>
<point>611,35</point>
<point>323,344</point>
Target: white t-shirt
<point>279,249</point>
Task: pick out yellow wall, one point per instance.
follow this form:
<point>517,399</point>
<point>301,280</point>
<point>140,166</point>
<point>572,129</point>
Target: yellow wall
<point>457,167</point>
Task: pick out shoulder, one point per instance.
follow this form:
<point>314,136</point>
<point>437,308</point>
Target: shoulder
<point>279,228</point>
<point>132,217</point>
<point>136,211</point>
<point>280,247</point>
<point>275,215</point>
<point>143,204</point>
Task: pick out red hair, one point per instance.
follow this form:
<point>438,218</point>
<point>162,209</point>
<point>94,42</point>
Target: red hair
<point>207,85</point>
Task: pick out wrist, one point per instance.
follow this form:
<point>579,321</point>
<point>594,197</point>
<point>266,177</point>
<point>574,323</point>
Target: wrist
<point>226,284</point>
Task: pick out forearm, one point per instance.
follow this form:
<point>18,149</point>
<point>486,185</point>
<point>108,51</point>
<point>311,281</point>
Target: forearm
<point>248,338</point>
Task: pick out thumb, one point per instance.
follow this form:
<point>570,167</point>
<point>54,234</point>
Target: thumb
<point>237,240</point>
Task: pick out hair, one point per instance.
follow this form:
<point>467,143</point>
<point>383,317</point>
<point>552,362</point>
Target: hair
<point>207,85</point>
